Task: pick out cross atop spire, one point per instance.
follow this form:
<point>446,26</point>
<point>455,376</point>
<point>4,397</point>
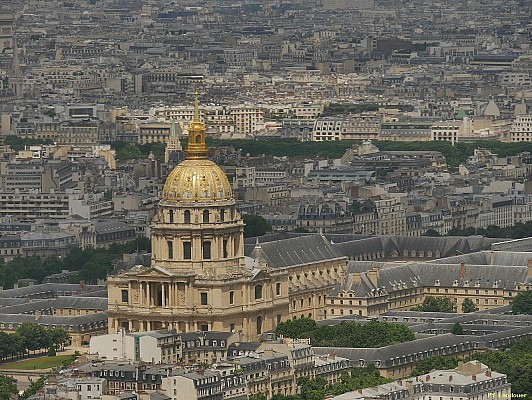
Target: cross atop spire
<point>196,103</point>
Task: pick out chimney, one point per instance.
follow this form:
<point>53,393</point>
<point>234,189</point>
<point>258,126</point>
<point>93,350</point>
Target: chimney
<point>356,277</point>
<point>474,377</point>
<point>359,391</point>
<point>373,276</point>
<point>488,373</point>
<point>462,270</point>
<point>410,386</point>
<point>427,378</point>
<point>529,268</point>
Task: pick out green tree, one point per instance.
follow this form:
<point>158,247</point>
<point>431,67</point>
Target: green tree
<point>312,389</point>
<point>434,362</point>
<point>522,303</point>
<point>346,334</point>
<point>34,335</point>
<point>8,388</point>
<point>255,225</point>
<point>457,329</point>
<point>59,337</point>
<point>515,362</point>
<point>436,304</point>
<point>300,229</point>
<point>468,306</point>
<point>296,328</point>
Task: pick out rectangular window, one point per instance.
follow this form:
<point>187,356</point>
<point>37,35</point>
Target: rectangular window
<point>170,249</point>
<point>225,254</point>
<point>187,250</point>
<point>207,250</point>
<point>203,298</point>
<point>231,297</point>
<point>125,296</point>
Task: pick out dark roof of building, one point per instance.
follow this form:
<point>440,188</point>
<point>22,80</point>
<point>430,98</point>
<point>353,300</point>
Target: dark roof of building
<point>49,289</point>
<point>296,251</point>
<point>386,354</point>
<point>397,245</point>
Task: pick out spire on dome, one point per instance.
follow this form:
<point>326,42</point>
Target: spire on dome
<point>196,147</point>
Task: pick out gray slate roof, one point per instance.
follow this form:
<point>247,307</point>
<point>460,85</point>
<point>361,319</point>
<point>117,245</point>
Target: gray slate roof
<point>296,251</point>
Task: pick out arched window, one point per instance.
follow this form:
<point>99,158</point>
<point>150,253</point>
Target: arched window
<point>259,325</point>
<point>258,292</point>
<point>198,139</point>
<point>171,216</point>
<point>187,216</point>
<point>205,216</point>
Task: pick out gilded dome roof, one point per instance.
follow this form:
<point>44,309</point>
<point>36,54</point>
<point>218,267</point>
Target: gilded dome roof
<point>197,180</point>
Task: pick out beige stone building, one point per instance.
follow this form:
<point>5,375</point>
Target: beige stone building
<point>199,278</point>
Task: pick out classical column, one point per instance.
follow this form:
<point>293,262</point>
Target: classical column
<point>163,295</point>
<point>130,328</point>
<point>129,294</point>
<point>148,325</point>
<point>148,294</point>
<point>186,294</point>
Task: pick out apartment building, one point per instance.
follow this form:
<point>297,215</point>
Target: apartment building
<point>33,204</point>
<point>152,132</point>
<point>521,130</point>
<point>446,131</point>
<point>247,119</point>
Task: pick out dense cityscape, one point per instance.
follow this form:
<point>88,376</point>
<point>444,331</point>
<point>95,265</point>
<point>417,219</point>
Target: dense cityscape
<point>265,200</point>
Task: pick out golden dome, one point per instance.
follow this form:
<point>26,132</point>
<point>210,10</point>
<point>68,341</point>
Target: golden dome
<point>197,180</point>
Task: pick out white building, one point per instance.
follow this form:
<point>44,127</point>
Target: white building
<point>472,380</point>
<point>114,346</point>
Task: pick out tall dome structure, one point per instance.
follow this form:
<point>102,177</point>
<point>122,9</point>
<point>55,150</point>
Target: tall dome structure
<point>198,279</point>
<point>197,224</point>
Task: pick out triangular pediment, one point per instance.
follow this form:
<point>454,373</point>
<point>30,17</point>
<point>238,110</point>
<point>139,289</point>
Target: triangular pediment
<point>155,272</point>
<point>259,274</point>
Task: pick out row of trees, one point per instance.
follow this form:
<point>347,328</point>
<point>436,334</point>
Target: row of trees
<point>444,304</point>
<point>517,231</point>
<point>135,151</point>
<point>292,148</point>
<point>515,362</point>
<point>521,304</point>
<point>30,336</point>
<point>93,264</point>
<point>346,334</point>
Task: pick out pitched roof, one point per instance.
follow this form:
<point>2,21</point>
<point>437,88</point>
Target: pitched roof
<point>296,251</point>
